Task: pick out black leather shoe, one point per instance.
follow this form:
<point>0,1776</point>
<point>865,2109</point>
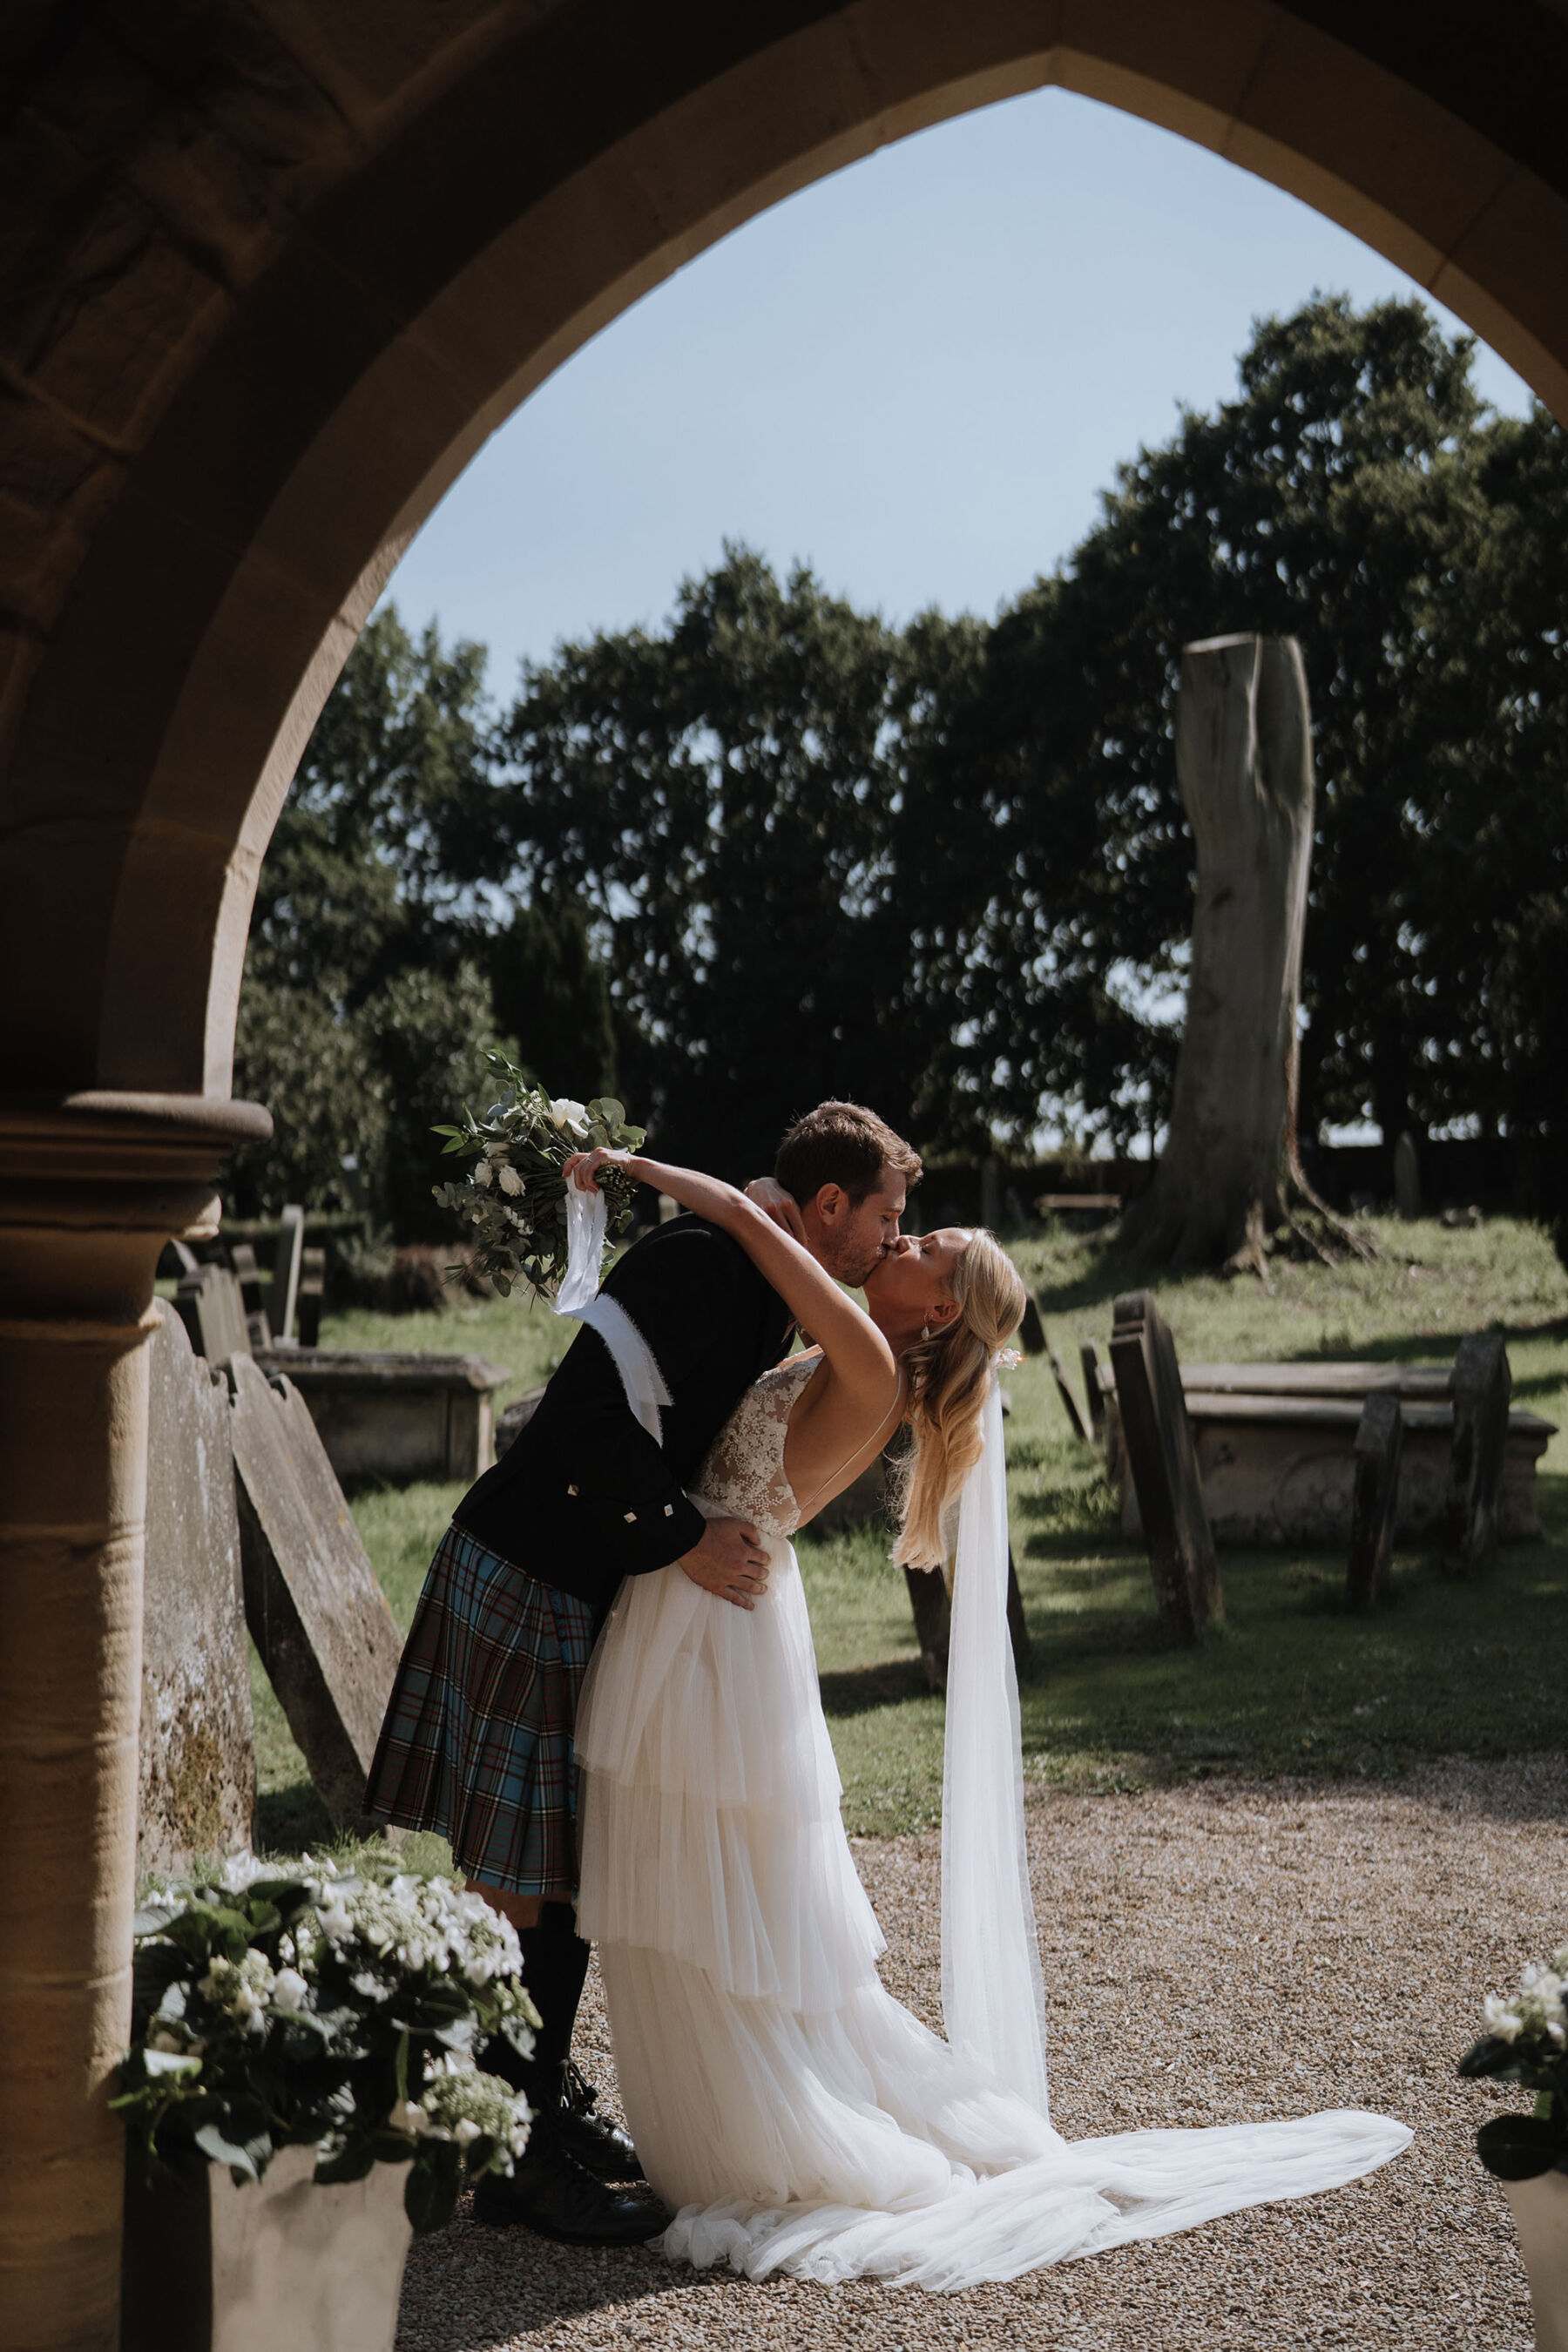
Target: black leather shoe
<point>595,2142</point>
<point>556,2196</point>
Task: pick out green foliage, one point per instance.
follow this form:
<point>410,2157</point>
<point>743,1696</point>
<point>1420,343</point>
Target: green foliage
<point>325,2009</point>
<point>776,849</point>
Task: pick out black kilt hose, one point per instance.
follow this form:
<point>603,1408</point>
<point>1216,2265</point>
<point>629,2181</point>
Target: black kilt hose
<point>476,1743</point>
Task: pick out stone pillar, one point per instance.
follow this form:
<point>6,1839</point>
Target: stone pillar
<point>92,1186</point>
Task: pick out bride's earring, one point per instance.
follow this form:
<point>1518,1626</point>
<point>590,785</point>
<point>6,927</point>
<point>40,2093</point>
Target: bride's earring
<point>925,1330</point>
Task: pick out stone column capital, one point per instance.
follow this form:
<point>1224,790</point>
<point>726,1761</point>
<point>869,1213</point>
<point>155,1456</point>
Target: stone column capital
<point>92,1186</point>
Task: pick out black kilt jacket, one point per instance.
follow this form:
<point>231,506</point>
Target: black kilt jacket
<point>584,1497</point>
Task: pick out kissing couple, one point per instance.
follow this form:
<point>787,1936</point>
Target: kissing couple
<point>608,1704</point>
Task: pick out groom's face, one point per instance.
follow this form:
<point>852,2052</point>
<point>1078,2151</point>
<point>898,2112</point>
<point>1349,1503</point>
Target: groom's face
<point>850,1237</point>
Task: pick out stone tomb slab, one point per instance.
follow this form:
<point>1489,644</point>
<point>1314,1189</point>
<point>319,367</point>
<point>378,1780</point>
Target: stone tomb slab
<point>197,1745</point>
<point>388,1414</point>
<point>318,1616</point>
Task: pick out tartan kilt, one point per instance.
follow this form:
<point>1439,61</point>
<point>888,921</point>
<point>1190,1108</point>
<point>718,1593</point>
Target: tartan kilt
<point>476,1743</point>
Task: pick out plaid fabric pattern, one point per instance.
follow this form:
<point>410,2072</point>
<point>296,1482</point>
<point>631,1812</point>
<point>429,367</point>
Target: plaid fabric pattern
<point>478,1738</point>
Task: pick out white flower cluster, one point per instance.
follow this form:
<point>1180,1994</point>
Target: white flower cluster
<point>1535,2012</point>
<point>420,1924</point>
<point>462,2104</point>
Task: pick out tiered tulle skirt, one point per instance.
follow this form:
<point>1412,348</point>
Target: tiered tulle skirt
<point>792,2114</point>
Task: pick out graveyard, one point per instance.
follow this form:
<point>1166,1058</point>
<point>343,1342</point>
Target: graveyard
<point>1293,1683</point>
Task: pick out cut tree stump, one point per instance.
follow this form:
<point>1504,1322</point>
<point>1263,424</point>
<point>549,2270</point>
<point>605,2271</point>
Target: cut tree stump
<point>1379,1442</point>
<point>318,1616</point>
<point>1158,1441</point>
<point>1231,1170</point>
<point>1482,1388</point>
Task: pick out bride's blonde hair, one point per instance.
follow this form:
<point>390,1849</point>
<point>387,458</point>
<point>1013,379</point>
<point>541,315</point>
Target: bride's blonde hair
<point>947,1375</point>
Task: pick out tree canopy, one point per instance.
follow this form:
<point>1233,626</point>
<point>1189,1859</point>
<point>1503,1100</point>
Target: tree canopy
<point>778,848</point>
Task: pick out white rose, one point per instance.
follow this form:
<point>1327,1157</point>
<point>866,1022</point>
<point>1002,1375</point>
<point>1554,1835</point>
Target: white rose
<point>509,1179</point>
<point>480,1173</point>
<point>290,1990</point>
<point>567,1113</point>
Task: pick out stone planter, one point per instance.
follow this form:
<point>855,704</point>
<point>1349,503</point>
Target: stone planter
<point>1540,2217</point>
<point>224,2269</point>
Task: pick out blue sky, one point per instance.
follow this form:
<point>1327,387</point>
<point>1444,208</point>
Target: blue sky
<point>915,376</point>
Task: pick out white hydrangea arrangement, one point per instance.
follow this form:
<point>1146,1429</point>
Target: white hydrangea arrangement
<point>1526,2042</point>
<point>514,1201</point>
<point>332,2009</point>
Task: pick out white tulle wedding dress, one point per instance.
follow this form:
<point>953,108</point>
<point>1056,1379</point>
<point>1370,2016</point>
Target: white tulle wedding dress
<point>791,2113</point>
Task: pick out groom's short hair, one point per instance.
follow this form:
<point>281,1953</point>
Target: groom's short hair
<point>842,1143</point>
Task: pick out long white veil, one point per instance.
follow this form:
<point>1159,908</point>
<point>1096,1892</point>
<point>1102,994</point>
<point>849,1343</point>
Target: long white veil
<point>993,1995</point>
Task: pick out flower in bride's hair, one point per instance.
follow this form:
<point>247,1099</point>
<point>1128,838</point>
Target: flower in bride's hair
<point>1008,1356</point>
<point>508,1178</point>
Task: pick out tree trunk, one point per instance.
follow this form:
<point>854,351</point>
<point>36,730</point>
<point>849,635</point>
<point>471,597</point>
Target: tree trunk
<point>1230,1173</point>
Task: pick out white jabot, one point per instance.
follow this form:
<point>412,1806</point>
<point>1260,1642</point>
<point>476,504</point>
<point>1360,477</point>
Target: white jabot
<point>578,1294</point>
<point>993,1995</point>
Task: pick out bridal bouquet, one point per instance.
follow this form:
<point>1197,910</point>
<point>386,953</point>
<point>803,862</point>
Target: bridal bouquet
<point>338,2011</point>
<point>515,1198</point>
<point>1526,2042</point>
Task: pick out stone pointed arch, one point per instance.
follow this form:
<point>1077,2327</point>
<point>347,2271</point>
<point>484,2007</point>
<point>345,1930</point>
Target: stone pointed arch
<point>462,209</point>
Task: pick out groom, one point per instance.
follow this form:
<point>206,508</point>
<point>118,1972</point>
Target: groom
<point>583,1499</point>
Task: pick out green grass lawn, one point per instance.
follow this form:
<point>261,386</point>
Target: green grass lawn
<point>1290,1684</point>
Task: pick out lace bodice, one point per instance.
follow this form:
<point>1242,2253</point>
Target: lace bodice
<point>744,1471</point>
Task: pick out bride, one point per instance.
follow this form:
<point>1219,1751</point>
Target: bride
<point>791,2113</point>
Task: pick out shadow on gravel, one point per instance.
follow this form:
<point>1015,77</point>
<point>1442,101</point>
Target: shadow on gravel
<point>467,2289</point>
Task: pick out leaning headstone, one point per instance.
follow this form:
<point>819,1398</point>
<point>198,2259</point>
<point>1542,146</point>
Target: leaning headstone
<point>209,1304</point>
<point>931,1604</point>
<point>1158,1439</point>
<point>286,1277</point>
<point>197,1747</point>
<point>316,1613</point>
<point>248,1274</point>
<point>1070,1402</point>
<point>1089,1356</point>
<point>1375,1498</point>
<point>1482,1388</point>
<point>313,1291</point>
<point>1406,1177</point>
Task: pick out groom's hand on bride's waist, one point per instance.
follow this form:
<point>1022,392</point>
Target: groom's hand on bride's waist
<point>730,1561</point>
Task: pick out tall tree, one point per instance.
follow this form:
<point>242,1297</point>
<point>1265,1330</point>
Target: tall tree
<point>719,795</point>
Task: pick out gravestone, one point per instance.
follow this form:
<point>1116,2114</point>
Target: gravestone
<point>1158,1440</point>
<point>1406,1177</point>
<point>1089,1357</point>
<point>1482,1388</point>
<point>286,1277</point>
<point>1070,1402</point>
<point>248,1274</point>
<point>1375,1498</point>
<point>209,1304</point>
<point>197,1759</point>
<point>931,1604</point>
<point>312,1292</point>
<point>316,1613</point>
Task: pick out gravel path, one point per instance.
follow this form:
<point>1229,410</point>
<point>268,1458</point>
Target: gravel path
<point>1212,1953</point>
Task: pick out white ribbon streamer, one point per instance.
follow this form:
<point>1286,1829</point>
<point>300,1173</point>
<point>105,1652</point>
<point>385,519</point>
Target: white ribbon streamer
<point>992,1993</point>
<point>578,1294</point>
